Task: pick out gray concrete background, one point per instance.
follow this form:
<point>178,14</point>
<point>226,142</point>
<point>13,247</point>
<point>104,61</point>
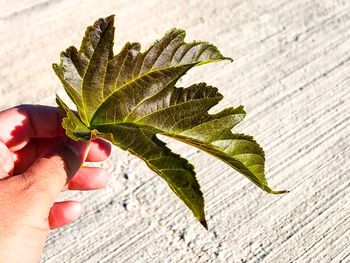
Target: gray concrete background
<point>291,71</point>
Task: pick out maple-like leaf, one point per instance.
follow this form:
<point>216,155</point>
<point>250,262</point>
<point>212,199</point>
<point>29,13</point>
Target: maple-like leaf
<point>131,97</point>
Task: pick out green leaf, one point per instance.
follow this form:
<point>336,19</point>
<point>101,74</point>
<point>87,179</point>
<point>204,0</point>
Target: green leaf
<point>131,97</point>
<point>176,171</point>
<point>75,129</point>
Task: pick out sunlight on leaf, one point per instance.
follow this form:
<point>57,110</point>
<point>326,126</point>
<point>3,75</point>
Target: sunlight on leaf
<point>131,97</point>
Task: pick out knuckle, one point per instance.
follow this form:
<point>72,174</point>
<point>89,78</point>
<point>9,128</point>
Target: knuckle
<point>41,179</point>
<point>29,184</point>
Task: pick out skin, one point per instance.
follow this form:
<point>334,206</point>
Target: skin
<point>37,162</point>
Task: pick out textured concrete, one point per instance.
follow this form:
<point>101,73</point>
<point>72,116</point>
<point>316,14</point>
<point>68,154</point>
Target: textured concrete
<point>291,71</point>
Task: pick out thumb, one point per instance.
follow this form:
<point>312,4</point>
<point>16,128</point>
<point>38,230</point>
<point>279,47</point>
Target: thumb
<point>52,170</point>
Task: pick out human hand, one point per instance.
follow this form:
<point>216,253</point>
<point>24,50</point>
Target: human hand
<point>34,148</point>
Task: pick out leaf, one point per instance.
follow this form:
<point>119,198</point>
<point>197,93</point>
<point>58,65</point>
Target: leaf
<point>131,97</point>
<point>176,171</point>
<point>75,129</point>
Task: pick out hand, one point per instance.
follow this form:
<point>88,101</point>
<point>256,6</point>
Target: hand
<point>37,162</point>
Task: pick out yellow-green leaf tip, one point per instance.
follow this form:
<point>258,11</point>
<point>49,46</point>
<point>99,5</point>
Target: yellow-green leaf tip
<point>204,223</point>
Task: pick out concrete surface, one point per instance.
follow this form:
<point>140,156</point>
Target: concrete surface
<point>292,73</point>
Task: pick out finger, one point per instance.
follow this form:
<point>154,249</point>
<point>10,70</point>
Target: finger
<point>99,151</point>
<point>88,178</point>
<point>25,157</point>
<point>64,213</point>
<point>6,161</point>
<point>3,174</point>
<point>52,171</point>
<point>21,123</point>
